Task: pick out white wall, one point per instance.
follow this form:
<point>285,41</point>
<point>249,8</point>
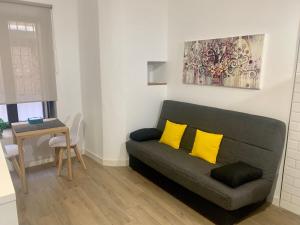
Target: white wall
<point>90,75</point>
<point>131,33</point>
<point>112,80</point>
<point>66,45</point>
<point>145,40</point>
<point>290,195</point>
<point>206,19</point>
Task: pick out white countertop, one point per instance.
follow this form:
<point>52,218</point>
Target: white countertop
<point>7,191</point>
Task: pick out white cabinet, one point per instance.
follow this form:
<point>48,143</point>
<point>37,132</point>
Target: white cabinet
<point>8,207</point>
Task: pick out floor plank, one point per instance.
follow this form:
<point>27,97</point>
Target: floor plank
<point>112,196</point>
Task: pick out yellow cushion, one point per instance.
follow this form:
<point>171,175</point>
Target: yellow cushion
<point>172,134</point>
<point>206,146</point>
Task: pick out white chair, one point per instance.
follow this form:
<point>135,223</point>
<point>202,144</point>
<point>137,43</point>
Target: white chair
<point>59,143</point>
<point>11,153</point>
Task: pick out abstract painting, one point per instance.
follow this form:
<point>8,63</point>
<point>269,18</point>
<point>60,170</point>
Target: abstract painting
<point>230,62</point>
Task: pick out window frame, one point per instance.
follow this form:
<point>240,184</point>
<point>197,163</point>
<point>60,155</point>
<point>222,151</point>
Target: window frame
<point>49,111</point>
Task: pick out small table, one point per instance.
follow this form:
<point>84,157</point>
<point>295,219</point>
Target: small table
<point>24,130</point>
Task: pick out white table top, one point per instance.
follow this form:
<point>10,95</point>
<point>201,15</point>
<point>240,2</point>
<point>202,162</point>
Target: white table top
<point>7,191</point>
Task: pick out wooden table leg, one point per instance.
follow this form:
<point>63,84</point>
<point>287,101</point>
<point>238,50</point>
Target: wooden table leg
<point>22,165</point>
<point>70,175</point>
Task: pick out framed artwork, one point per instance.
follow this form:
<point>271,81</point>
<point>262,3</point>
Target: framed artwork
<point>229,62</point>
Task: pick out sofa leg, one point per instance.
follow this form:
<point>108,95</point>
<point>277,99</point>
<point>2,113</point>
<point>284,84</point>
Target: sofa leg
<point>210,210</point>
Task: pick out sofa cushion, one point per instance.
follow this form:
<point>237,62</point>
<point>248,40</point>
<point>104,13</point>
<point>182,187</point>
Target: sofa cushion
<point>206,146</point>
<point>146,134</point>
<point>194,174</point>
<point>172,134</point>
<point>236,174</point>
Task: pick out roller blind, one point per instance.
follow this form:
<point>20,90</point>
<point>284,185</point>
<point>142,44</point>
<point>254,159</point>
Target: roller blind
<point>27,72</point>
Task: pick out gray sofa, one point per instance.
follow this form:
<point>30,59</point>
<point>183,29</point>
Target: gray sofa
<point>256,140</point>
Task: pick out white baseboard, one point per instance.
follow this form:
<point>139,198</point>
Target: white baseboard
<point>29,164</point>
<point>105,162</point>
<point>275,201</point>
<point>93,156</point>
<point>33,163</point>
<point>115,163</point>
<point>98,159</point>
<point>290,207</point>
<point>39,162</point>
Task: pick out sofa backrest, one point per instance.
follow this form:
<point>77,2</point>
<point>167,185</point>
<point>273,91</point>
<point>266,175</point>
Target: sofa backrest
<point>256,140</point>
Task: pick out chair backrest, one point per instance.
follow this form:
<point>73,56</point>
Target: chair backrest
<point>66,120</point>
<point>76,126</point>
<point>4,150</point>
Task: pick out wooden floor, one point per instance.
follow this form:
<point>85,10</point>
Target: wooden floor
<point>115,196</point>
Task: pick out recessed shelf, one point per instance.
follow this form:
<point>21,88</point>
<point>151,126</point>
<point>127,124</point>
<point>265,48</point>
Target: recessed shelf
<point>156,73</point>
<point>157,83</point>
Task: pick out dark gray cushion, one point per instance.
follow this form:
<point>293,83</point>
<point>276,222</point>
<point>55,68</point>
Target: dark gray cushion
<point>194,174</point>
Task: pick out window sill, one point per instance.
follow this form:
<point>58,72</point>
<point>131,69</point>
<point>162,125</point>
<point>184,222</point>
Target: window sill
<point>157,83</point>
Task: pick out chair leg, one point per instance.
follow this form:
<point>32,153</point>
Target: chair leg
<point>16,165</point>
<point>56,156</point>
<point>79,157</point>
<point>60,160</point>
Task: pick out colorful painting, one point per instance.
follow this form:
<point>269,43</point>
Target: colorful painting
<point>230,62</point>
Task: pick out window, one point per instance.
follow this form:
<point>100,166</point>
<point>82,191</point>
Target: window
<point>27,110</point>
<point>19,26</point>
<point>25,60</point>
<point>3,113</point>
<point>27,72</point>
<point>21,112</point>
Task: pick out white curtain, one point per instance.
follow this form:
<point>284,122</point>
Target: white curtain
<point>27,72</point>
